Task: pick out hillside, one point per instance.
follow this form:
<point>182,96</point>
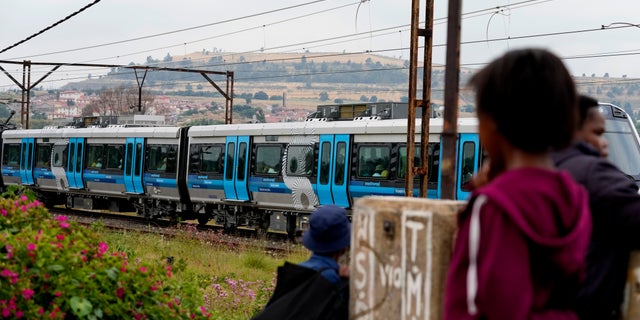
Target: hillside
<point>298,80</point>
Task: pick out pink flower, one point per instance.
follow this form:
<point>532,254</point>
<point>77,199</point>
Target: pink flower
<point>60,237</point>
<point>9,250</point>
<point>102,248</point>
<point>143,269</point>
<point>31,247</point>
<point>4,212</point>
<point>27,293</point>
<point>120,293</point>
<point>23,208</point>
<point>23,197</point>
<point>6,312</point>
<point>58,293</point>
<point>63,221</point>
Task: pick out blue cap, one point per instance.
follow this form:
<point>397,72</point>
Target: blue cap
<point>329,230</point>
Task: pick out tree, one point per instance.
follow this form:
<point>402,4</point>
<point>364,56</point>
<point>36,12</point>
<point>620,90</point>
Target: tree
<point>324,96</point>
<point>261,95</point>
<point>364,98</point>
<point>120,101</point>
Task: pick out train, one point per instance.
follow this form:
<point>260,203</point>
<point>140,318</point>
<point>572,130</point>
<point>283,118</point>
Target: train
<point>267,177</point>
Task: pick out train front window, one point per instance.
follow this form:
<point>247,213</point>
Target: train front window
<point>623,145</point>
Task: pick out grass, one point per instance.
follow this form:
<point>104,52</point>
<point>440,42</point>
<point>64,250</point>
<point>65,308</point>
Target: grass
<point>236,281</point>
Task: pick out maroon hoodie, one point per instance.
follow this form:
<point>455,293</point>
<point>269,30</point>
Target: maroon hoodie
<point>520,248</point>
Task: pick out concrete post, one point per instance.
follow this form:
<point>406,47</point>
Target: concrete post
<point>400,252</point>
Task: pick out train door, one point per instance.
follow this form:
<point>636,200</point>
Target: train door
<point>468,161</point>
<point>236,164</point>
<point>26,161</point>
<point>333,170</point>
<point>75,162</point>
<point>134,160</point>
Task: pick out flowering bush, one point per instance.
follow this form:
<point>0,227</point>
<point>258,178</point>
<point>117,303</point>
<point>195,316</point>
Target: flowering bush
<point>53,268</point>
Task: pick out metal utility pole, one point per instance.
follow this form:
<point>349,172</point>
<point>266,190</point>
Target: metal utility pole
<point>451,93</point>
<point>452,76</point>
<point>424,103</point>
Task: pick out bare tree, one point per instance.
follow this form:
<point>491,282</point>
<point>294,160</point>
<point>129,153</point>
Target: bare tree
<point>120,101</point>
<point>133,99</point>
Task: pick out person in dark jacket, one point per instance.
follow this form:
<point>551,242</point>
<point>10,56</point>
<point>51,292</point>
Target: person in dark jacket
<point>615,209</point>
<point>522,238</point>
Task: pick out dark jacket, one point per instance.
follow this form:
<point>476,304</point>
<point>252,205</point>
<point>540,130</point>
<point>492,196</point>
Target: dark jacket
<point>533,233</point>
<point>615,209</point>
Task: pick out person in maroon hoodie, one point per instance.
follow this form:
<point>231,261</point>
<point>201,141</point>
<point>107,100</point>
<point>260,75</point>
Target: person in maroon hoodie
<point>522,238</point>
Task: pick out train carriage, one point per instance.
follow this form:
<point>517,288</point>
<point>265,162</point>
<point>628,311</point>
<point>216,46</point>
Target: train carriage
<point>267,176</point>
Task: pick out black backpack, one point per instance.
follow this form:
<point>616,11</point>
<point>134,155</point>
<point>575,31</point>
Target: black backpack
<point>303,293</point>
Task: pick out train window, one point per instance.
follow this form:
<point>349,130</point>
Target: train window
<point>340,163</point>
<point>161,158</point>
<point>433,154</point>
<point>129,159</point>
<point>242,159</point>
<point>43,156</point>
<point>300,160</point>
<point>95,156</point>
<point>138,168</point>
<point>373,161</point>
<point>206,158</point>
<point>325,161</point>
<point>29,156</point>
<point>11,154</point>
<point>59,156</point>
<point>268,159</point>
<point>468,159</point>
<point>231,148</point>
<point>212,159</point>
<point>79,157</point>
<point>115,156</point>
<point>402,164</point>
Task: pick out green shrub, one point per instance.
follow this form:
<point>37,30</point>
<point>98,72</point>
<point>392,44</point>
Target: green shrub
<point>53,268</point>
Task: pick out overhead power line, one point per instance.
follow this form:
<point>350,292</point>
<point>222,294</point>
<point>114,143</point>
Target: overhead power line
<point>49,27</point>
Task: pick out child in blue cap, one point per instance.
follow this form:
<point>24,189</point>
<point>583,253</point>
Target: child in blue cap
<point>329,238</point>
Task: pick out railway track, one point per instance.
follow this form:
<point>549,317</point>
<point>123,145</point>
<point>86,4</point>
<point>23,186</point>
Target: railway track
<point>271,244</point>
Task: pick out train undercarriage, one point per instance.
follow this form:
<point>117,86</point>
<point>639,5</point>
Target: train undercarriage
<point>230,217</point>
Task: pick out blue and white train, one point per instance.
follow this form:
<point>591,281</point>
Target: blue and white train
<point>268,176</point>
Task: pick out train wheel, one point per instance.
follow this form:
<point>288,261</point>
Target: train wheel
<point>203,219</point>
<point>292,227</point>
<point>262,226</point>
<point>206,217</point>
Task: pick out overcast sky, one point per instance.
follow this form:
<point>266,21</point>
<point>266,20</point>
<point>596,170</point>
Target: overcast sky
<point>124,31</point>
